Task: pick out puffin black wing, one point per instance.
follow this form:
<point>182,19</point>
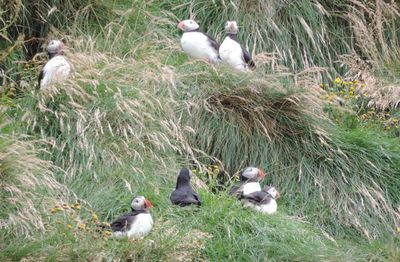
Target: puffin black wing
<point>247,58</point>
<point>41,75</point>
<point>185,197</point>
<point>212,41</point>
<point>258,197</point>
<point>125,221</point>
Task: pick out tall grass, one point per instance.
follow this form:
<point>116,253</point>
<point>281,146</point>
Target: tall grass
<point>303,34</point>
<point>135,110</point>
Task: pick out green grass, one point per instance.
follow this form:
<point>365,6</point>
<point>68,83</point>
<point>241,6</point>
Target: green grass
<point>136,110</point>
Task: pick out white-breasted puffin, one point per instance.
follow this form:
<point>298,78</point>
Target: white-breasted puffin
<point>197,44</point>
<point>249,182</point>
<point>263,201</point>
<point>136,224</point>
<point>57,68</point>
<point>232,52</point>
<point>184,195</point>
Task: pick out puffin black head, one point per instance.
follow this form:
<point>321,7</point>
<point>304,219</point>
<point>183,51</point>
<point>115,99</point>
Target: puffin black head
<point>183,177</point>
<point>270,190</point>
<point>55,47</point>
<point>231,27</point>
<point>188,25</point>
<point>140,203</point>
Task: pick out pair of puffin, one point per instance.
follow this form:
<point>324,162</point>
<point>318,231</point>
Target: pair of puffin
<point>250,192</point>
<point>57,68</point>
<point>139,222</point>
<point>199,45</point>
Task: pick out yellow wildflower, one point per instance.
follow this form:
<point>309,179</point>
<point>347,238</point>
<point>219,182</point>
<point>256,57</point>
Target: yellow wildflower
<point>81,226</point>
<point>107,225</point>
<point>350,83</point>
<point>321,85</point>
<point>356,82</point>
<point>337,80</point>
<point>94,217</point>
<point>55,209</point>
<point>351,93</point>
<point>76,206</point>
<point>69,226</point>
<point>107,233</point>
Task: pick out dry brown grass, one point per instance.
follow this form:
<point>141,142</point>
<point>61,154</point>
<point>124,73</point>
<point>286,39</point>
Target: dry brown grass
<point>23,177</point>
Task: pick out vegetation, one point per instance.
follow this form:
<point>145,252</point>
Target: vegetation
<point>320,115</point>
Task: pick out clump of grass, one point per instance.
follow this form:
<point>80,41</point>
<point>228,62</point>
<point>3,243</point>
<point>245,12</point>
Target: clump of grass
<point>27,184</point>
<point>271,123</point>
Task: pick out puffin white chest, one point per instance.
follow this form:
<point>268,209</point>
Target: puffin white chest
<point>140,227</point>
<point>57,69</point>
<point>197,45</point>
<point>269,208</point>
<point>231,53</point>
<point>251,187</point>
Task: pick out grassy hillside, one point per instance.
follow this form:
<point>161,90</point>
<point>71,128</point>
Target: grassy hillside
<point>136,109</point>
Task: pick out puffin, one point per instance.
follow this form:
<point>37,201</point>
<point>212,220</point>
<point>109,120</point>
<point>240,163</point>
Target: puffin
<point>136,224</point>
<point>232,52</point>
<point>57,68</point>
<point>197,44</point>
<point>263,201</point>
<point>249,182</point>
<point>184,195</point>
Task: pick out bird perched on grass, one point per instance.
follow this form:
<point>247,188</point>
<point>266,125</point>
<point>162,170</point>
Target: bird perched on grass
<point>263,201</point>
<point>184,195</point>
<point>232,52</point>
<point>136,224</point>
<point>196,44</point>
<point>249,181</point>
<point>57,68</point>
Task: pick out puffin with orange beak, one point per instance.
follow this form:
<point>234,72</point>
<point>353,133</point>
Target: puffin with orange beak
<point>136,224</point>
<point>232,52</point>
<point>263,201</point>
<point>196,44</point>
<point>57,68</point>
<point>250,179</point>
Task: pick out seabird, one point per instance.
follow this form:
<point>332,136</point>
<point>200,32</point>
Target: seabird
<point>184,194</point>
<point>249,181</point>
<point>263,201</point>
<point>136,224</point>
<point>196,44</point>
<point>57,68</point>
<point>232,52</point>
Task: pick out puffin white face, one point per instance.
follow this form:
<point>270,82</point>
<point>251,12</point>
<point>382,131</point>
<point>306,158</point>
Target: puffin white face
<point>188,25</point>
<point>140,202</point>
<point>273,192</point>
<point>231,27</point>
<point>55,46</point>
<point>253,172</point>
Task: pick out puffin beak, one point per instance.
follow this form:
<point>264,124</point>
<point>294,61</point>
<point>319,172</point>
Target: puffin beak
<point>181,26</point>
<point>278,195</point>
<point>147,203</point>
<point>261,174</point>
<point>62,45</point>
